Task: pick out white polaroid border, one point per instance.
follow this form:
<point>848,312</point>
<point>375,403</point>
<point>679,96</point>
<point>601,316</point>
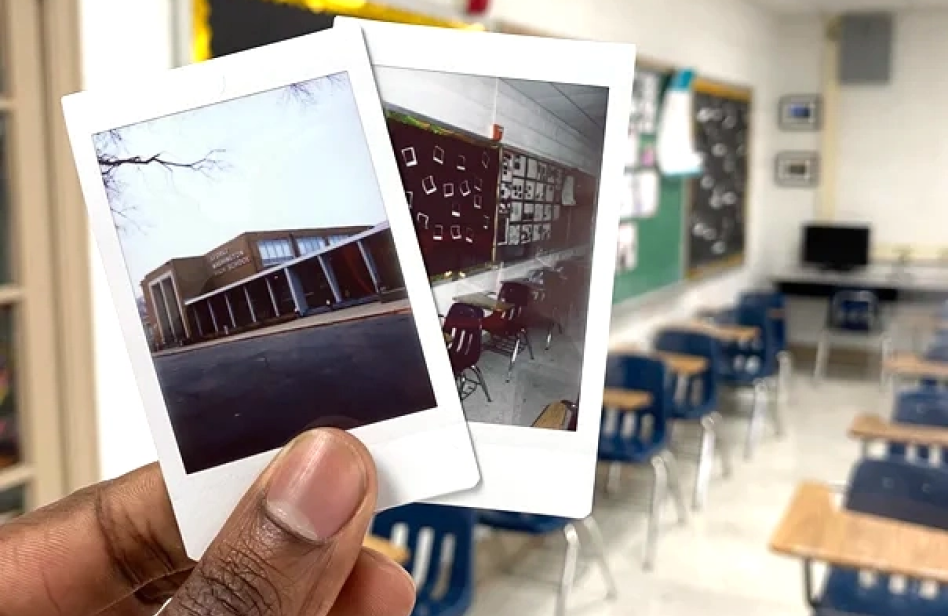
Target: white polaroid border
<point>421,455</point>
<point>533,470</point>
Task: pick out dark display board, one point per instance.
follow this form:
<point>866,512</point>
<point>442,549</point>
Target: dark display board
<point>239,25</point>
<point>716,228</point>
<point>451,185</point>
<point>223,27</point>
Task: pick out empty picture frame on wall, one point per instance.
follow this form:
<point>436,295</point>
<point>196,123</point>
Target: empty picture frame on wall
<point>797,169</point>
<point>801,112</point>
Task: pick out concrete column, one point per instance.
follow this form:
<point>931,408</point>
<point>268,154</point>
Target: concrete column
<point>230,311</point>
<point>164,300</point>
<point>331,277</point>
<point>210,308</point>
<point>370,264</point>
<point>296,290</point>
<point>197,320</point>
<point>253,313</point>
<point>273,299</point>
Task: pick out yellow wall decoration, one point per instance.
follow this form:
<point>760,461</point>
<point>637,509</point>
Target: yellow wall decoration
<point>201,30</point>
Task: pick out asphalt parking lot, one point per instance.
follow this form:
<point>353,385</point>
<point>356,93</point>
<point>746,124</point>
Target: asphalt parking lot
<point>236,399</point>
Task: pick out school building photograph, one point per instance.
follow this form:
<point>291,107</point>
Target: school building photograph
<point>267,278</point>
<point>264,278</point>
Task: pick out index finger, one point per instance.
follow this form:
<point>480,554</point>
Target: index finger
<point>92,549</point>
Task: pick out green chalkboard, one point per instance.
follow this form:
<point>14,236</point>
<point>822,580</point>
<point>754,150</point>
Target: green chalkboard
<point>659,259</point>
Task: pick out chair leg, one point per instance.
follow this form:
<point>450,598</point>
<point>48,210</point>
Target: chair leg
<point>660,473</point>
<point>569,569</point>
<point>757,415</point>
<point>480,379</point>
<point>785,371</point>
<point>615,478</point>
<point>674,484</point>
<point>776,408</point>
<point>705,462</point>
<point>885,353</point>
<point>822,355</point>
<point>598,547</point>
<point>723,445</point>
<point>526,341</point>
<point>513,358</point>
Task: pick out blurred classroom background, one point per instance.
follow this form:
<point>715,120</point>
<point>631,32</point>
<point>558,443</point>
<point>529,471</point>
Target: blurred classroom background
<point>773,419</point>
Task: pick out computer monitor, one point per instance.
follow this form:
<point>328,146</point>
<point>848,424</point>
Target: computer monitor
<point>836,246</point>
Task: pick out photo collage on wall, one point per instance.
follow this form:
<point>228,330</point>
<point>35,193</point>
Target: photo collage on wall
<point>530,208</point>
<point>641,185</point>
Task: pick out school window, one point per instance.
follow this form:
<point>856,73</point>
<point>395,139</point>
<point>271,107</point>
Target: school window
<point>274,252</point>
<point>335,239</point>
<point>307,245</point>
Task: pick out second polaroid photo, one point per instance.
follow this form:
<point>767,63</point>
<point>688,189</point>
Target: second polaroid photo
<point>511,151</point>
<point>252,225</point>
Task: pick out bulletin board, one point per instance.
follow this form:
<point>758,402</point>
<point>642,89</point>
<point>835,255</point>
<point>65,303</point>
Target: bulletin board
<point>451,186</point>
<point>716,228</point>
<point>221,27</point>
<point>531,217</point>
<point>657,253</point>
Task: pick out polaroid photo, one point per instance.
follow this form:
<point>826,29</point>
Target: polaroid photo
<point>537,453</point>
<point>252,305</point>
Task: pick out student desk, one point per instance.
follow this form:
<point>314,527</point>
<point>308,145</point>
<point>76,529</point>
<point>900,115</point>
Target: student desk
<point>387,548</point>
<point>679,363</point>
<point>625,400</point>
<point>553,417</point>
<point>724,333</point>
<point>902,292</point>
<point>890,283</point>
<point>814,528</point>
<point>872,428</point>
<point>483,301</point>
<point>906,365</point>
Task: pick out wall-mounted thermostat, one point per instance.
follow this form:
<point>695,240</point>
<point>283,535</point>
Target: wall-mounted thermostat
<point>800,112</point>
<point>797,169</point>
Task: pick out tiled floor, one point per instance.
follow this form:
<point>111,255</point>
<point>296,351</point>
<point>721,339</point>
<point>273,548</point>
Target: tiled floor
<point>552,375</point>
<point>718,563</point>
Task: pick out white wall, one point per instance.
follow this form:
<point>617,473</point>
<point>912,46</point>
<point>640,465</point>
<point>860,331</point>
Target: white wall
<point>474,104</point>
<point>893,140</point>
<point>729,40</point>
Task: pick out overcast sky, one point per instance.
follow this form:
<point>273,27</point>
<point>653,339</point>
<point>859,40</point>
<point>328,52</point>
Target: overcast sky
<point>286,162</point>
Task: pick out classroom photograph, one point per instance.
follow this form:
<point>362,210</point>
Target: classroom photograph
<point>268,309</point>
<point>774,415</point>
<point>504,222</point>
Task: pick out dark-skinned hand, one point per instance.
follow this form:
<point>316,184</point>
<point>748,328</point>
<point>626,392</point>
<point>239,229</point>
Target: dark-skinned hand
<point>292,547</point>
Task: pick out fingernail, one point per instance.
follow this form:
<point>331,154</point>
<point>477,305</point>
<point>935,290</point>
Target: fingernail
<point>317,486</point>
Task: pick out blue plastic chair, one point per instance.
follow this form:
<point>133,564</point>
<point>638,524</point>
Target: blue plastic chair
<point>924,406</point>
<point>434,596</point>
<point>642,437</point>
<point>902,491</point>
<point>753,365</point>
<point>774,300</point>
<point>697,400</point>
<point>851,313</point>
<point>576,533</point>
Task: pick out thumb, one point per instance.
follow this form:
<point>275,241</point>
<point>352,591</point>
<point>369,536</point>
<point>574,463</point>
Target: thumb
<point>293,540</point>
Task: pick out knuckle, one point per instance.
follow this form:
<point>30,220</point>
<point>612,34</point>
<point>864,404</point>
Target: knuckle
<point>238,583</point>
<point>135,549</point>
